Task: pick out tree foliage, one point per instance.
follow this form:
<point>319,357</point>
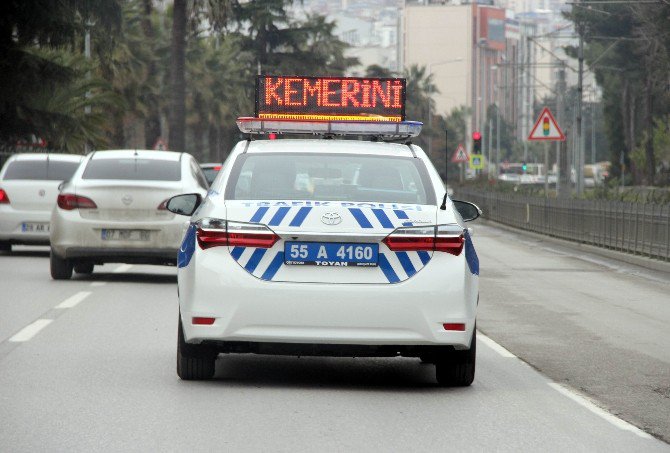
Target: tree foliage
<point>41,71</point>
<point>628,49</point>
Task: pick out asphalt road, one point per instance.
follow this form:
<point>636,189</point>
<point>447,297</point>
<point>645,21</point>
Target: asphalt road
<point>89,364</point>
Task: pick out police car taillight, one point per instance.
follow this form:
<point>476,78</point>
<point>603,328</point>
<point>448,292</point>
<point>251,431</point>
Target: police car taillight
<point>440,238</point>
<point>217,232</point>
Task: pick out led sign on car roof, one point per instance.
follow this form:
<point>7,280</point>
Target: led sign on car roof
<point>330,98</point>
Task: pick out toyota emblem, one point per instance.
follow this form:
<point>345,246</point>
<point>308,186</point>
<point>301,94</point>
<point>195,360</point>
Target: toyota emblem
<point>41,192</point>
<point>331,218</point>
<point>127,199</point>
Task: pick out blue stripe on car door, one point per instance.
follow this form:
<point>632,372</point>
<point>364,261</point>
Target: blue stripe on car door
<point>258,215</point>
<point>387,269</point>
<point>279,216</point>
<point>236,252</point>
<point>424,256</point>
<point>255,259</point>
<point>401,214</point>
<point>360,218</point>
<point>300,216</point>
<point>383,218</point>
<point>274,266</point>
<point>406,263</point>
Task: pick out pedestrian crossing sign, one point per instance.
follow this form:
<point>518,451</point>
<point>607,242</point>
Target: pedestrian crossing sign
<point>460,155</point>
<point>476,161</point>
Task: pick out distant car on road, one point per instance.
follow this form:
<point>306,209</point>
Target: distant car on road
<point>210,170</point>
<point>113,210</point>
<point>28,191</point>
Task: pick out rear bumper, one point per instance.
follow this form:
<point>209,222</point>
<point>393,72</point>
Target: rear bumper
<point>73,237</point>
<point>11,221</point>
<point>250,310</point>
<point>123,255</point>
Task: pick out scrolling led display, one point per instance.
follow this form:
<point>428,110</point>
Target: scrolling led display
<point>330,98</point>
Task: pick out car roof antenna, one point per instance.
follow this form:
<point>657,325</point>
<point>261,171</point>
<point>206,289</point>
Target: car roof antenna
<point>443,206</point>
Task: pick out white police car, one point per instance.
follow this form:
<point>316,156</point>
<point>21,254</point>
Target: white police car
<point>328,247</point>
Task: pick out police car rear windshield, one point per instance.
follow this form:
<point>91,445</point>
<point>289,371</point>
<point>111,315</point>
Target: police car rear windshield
<point>329,177</point>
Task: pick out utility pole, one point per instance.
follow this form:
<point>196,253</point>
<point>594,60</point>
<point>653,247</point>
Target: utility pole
<point>497,131</point>
<point>529,105</point>
<point>562,167</point>
<point>87,54</point>
<point>579,164</point>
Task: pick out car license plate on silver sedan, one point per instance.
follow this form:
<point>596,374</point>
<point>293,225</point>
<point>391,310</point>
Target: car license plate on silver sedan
<point>125,235</point>
<point>34,227</point>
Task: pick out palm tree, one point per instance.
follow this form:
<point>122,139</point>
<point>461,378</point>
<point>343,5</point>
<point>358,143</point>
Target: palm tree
<point>177,140</point>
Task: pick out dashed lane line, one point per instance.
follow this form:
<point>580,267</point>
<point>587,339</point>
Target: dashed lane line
<point>74,300</point>
<point>29,331</point>
<point>98,283</point>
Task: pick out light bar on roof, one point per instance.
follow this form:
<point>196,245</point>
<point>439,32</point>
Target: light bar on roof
<point>384,129</point>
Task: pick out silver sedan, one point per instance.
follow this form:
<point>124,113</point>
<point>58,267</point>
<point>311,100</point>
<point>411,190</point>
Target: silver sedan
<point>113,210</point>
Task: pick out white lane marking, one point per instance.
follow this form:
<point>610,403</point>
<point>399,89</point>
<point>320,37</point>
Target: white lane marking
<point>98,283</point>
<point>613,419</point>
<point>122,268</point>
<point>72,301</point>
<point>30,330</point>
<point>493,345</point>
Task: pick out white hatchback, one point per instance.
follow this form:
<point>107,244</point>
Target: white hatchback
<point>327,247</point>
<point>113,210</point>
<point>28,190</point>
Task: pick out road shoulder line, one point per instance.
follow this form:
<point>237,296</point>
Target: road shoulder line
<point>602,413</point>
<point>495,346</point>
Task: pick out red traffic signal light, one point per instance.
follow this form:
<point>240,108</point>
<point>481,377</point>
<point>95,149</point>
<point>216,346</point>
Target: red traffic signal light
<point>477,142</point>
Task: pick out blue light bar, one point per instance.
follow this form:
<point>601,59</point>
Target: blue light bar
<point>383,129</point>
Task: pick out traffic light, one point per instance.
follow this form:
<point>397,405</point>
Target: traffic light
<point>476,143</point>
<point>524,166</point>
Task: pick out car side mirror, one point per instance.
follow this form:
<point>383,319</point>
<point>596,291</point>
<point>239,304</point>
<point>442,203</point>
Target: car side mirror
<point>469,211</point>
<point>184,204</point>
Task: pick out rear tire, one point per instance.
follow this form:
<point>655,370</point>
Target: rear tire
<point>84,268</point>
<point>61,269</point>
<point>457,368</point>
<point>5,247</point>
<point>194,362</point>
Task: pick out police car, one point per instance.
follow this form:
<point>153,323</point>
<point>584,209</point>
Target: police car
<point>324,245</point>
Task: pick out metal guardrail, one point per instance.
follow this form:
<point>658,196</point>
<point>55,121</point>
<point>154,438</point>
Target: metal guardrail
<point>642,229</point>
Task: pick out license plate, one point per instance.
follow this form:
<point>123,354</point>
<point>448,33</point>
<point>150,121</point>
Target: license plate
<point>33,227</point>
<point>331,254</point>
<point>124,235</point>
